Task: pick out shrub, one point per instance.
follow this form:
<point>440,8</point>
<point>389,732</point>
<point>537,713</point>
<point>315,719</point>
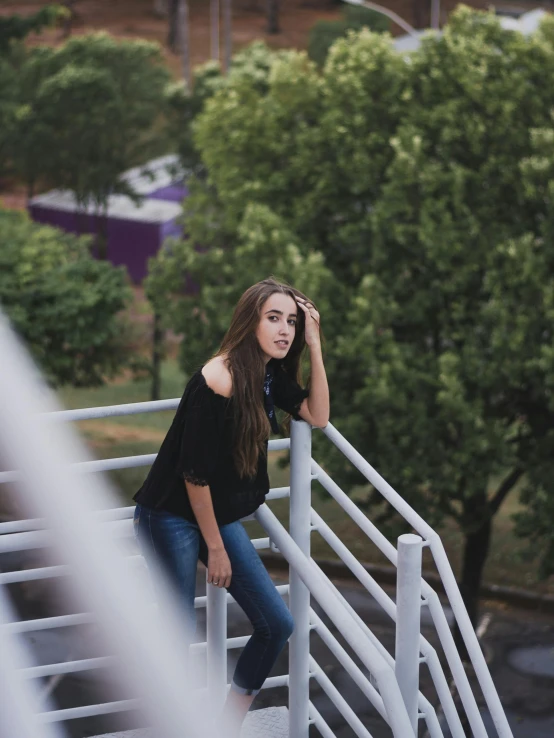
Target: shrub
<point>324,33</point>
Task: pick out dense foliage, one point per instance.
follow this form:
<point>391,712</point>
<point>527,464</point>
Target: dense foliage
<point>79,115</point>
<point>411,198</point>
<point>73,117</point>
<point>324,33</point>
<point>62,302</point>
<point>251,64</point>
<point>87,112</point>
<point>15,28</point>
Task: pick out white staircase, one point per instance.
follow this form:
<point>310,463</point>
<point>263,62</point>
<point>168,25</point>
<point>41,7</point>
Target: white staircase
<point>270,722</point>
<point>74,515</point>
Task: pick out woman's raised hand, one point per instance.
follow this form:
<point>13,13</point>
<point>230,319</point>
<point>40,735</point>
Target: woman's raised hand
<point>311,331</point>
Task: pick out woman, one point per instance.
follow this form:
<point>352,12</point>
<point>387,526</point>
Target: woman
<point>211,470</point>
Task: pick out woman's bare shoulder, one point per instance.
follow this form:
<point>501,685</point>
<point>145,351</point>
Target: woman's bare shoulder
<point>218,377</point>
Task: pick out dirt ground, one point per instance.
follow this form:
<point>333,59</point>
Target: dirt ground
<point>137,19</point>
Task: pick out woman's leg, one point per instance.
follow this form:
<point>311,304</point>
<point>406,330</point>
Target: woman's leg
<point>173,542</point>
<point>253,589</point>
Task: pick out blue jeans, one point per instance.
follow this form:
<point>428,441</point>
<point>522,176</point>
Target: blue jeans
<point>178,544</point>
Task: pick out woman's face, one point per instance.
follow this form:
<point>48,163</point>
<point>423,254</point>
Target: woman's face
<point>277,326</point>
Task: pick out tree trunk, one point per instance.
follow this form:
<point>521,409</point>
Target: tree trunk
<point>435,22</point>
<point>157,355</point>
<point>273,16</point>
<point>227,33</point>
<point>421,14</point>
<point>173,25</point>
<point>68,21</point>
<point>214,31</point>
<point>184,37</point>
<point>161,8</point>
<point>102,233</point>
<point>476,550</point>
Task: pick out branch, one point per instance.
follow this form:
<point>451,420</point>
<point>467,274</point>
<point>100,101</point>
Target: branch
<point>502,492</point>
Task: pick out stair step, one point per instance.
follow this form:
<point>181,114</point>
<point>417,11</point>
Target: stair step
<point>271,722</point>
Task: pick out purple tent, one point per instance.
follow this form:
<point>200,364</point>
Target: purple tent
<point>134,232</point>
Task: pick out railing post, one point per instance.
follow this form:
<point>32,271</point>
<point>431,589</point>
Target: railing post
<point>216,648</point>
<point>299,595</point>
<point>408,621</point>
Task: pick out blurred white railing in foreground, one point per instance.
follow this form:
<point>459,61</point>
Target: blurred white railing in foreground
<point>73,514</point>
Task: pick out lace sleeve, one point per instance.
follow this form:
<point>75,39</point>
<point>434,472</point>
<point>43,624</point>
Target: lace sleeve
<point>199,481</point>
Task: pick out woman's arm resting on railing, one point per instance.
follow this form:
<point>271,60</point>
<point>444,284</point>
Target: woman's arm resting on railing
<point>315,408</point>
<point>219,566</point>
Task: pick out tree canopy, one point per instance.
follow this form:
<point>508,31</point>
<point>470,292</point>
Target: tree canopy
<point>324,33</point>
<point>63,303</point>
<point>15,28</point>
<point>415,194</point>
<point>87,111</point>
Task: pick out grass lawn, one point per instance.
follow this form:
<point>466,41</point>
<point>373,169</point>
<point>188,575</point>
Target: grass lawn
<point>142,434</point>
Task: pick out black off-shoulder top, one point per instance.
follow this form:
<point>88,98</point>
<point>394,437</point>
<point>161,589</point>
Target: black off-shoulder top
<point>198,448</point>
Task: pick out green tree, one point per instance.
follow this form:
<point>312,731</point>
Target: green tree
<point>184,105</point>
<point>534,523</point>
<point>264,246</point>
<point>63,303</point>
<point>13,31</point>
<point>312,147</point>
<point>252,64</point>
<point>16,28</point>
<point>70,141</point>
<point>451,327</point>
<point>88,111</point>
<point>405,178</point>
<point>324,33</point>
<point>8,115</point>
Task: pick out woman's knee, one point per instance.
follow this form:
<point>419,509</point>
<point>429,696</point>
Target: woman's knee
<point>289,625</point>
<point>285,626</point>
<point>278,628</point>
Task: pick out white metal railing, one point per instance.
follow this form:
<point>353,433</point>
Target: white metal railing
<point>431,539</point>
<point>393,686</point>
<point>50,488</point>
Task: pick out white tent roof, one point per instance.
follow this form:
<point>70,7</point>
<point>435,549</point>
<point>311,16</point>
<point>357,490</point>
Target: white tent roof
<point>154,174</point>
<point>145,179</point>
<point>527,23</point>
<point>119,206</point>
<point>408,42</point>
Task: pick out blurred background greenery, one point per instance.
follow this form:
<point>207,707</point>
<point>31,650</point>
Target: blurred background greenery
<point>409,194</point>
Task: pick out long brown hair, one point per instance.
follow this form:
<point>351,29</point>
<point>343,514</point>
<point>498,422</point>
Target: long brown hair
<point>246,362</point>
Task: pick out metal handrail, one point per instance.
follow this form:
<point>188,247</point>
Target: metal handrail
<point>388,605</point>
<point>50,489</point>
<point>450,585</point>
<point>115,513</point>
<point>29,533</point>
<point>338,700</point>
<point>321,589</point>
<point>433,603</point>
